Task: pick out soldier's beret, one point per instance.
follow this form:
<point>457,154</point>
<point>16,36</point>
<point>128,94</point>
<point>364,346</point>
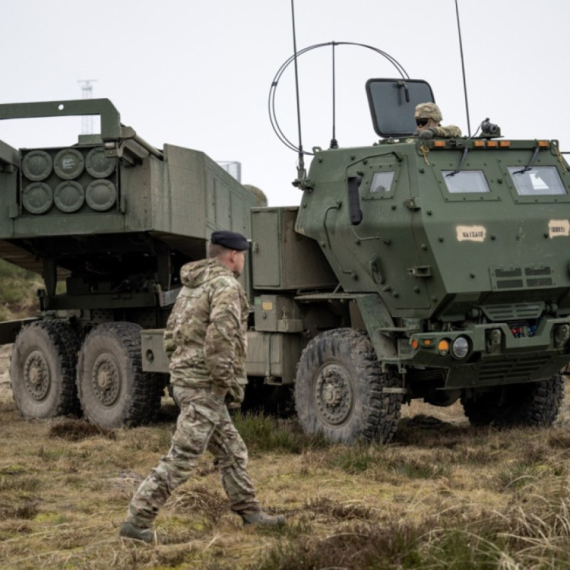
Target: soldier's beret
<point>231,240</point>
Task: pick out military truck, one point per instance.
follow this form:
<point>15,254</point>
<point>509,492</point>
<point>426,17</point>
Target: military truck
<point>107,222</point>
<point>432,269</point>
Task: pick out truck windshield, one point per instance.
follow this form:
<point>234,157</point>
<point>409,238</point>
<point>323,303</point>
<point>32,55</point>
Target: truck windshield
<point>471,181</point>
<point>537,180</point>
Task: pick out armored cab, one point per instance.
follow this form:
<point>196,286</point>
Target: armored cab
<point>443,275</point>
<point>107,222</point>
<point>456,252</point>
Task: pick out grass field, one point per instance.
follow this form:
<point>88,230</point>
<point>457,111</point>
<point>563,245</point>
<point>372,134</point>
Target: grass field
<point>441,495</point>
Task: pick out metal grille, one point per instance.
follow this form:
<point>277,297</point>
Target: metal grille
<point>502,273</point>
<point>541,271</point>
<point>519,277</point>
<point>540,282</point>
<point>404,348</point>
<point>510,284</point>
<point>513,312</point>
<point>520,369</point>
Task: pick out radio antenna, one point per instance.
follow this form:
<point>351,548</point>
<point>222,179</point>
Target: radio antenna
<point>301,172</point>
<point>463,69</point>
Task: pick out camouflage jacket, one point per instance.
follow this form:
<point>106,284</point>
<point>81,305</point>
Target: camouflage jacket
<point>205,334</point>
<point>447,132</point>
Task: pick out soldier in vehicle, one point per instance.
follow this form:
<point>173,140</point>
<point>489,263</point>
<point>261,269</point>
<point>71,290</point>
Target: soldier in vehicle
<point>428,121</point>
<point>205,341</point>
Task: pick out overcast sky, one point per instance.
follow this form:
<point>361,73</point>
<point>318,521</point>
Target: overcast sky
<point>197,73</point>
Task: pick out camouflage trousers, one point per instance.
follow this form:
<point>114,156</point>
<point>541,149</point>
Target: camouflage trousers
<point>203,424</point>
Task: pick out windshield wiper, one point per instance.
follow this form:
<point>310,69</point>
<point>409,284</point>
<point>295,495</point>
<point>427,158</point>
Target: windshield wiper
<point>463,157</point>
<point>529,165</point>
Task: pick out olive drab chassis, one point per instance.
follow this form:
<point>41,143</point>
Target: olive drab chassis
<point>433,269</point>
<point>450,253</point>
<point>114,218</point>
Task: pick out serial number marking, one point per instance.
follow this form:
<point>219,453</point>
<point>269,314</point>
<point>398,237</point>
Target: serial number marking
<point>558,228</point>
<point>471,233</point>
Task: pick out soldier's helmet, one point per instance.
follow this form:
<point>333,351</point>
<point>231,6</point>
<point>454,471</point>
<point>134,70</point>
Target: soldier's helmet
<point>428,111</point>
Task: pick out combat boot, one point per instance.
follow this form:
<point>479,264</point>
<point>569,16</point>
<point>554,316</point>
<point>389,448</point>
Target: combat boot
<point>130,530</point>
<point>261,518</point>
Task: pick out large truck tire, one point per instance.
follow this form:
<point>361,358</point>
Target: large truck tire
<point>113,389</point>
<point>42,370</point>
<point>520,405</point>
<point>339,390</point>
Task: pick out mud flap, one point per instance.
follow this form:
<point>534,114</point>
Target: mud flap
<point>377,317</point>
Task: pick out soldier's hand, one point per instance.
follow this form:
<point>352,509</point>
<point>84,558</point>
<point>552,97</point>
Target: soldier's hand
<point>235,396</point>
<point>427,134</point>
<point>218,394</point>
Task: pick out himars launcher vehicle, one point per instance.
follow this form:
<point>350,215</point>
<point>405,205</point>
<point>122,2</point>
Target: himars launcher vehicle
<point>434,269</point>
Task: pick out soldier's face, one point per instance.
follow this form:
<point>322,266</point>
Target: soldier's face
<point>238,258</point>
<point>423,124</point>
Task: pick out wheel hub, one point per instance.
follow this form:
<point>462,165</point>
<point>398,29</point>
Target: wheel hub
<point>106,380</point>
<point>36,375</point>
<point>333,393</point>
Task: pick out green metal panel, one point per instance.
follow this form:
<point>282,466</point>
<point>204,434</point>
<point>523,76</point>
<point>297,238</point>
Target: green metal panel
<point>273,356</point>
<point>275,313</point>
<point>266,251</point>
<point>154,358</point>
<point>284,259</point>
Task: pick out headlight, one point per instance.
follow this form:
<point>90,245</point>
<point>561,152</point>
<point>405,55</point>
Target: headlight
<point>460,347</point>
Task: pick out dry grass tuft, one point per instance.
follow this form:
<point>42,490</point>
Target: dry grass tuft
<point>339,511</point>
<point>26,511</point>
<point>199,499</point>
<point>78,430</point>
<point>441,495</point>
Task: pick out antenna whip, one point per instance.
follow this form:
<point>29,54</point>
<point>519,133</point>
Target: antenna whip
<point>301,173</point>
<point>463,69</point>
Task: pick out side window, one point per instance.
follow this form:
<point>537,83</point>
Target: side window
<point>381,175</point>
<point>381,182</point>
<point>537,181</point>
<point>465,181</point>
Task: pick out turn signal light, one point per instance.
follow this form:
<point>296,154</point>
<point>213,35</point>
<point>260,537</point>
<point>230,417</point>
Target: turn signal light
<point>415,344</point>
<point>443,347</point>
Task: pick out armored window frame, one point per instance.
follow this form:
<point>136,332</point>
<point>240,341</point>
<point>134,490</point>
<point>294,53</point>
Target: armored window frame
<point>392,104</point>
<point>525,187</point>
<point>452,178</point>
<point>382,187</point>
<point>391,169</point>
